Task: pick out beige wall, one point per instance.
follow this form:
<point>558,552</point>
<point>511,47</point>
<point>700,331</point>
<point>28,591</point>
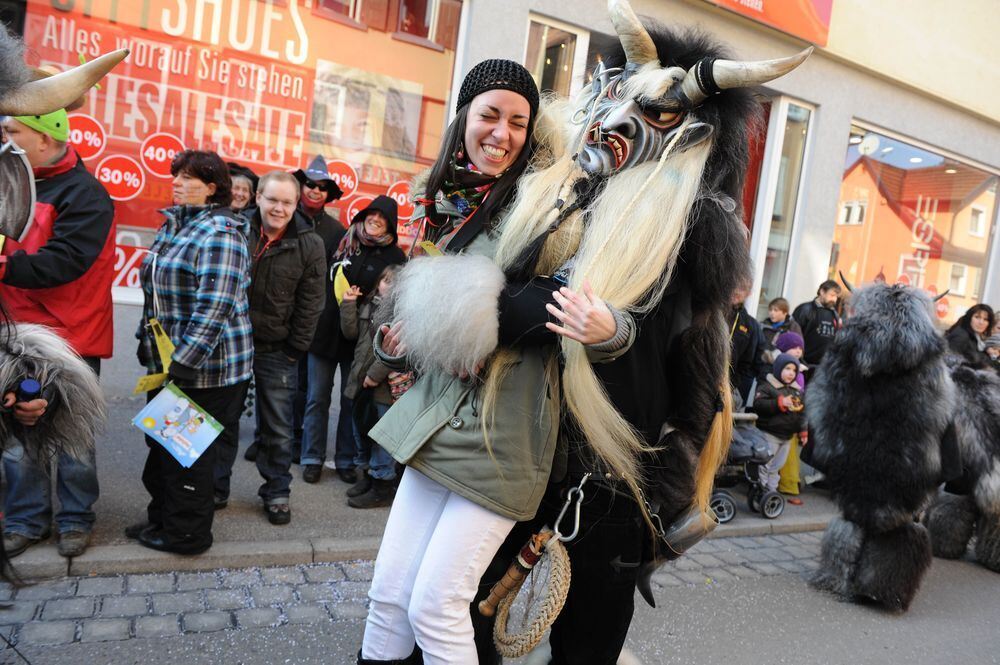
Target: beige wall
<point>949,50</point>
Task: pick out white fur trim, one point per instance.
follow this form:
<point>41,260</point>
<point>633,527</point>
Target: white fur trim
<point>448,306</point>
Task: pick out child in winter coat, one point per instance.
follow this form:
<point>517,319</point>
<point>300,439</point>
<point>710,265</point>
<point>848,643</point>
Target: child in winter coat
<point>781,414</point>
<point>793,344</point>
<point>368,387</point>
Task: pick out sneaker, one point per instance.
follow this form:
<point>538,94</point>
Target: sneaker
<point>381,494</point>
<point>278,513</point>
<point>363,485</point>
<point>312,472</point>
<point>330,464</point>
<point>251,453</point>
<point>73,543</point>
<point>15,543</point>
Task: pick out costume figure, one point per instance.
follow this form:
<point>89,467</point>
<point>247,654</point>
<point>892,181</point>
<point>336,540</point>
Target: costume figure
<point>638,195</point>
<point>971,504</point>
<point>880,407</point>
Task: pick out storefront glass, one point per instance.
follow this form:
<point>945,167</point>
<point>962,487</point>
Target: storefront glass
<point>266,84</point>
<point>916,217</point>
<point>550,57</point>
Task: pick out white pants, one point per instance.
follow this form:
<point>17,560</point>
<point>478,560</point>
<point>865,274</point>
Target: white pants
<point>435,548</point>
<point>770,474</point>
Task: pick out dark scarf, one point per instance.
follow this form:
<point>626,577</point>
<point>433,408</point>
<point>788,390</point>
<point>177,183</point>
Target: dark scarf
<point>356,236</point>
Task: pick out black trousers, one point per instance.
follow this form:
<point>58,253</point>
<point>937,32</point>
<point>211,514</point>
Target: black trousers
<point>604,560</point>
<point>182,503</point>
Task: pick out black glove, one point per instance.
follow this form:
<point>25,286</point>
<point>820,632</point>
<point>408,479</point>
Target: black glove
<point>179,373</point>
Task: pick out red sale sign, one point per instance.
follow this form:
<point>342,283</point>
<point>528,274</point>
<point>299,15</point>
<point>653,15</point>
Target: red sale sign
<point>357,205</point>
<point>345,175</point>
<point>128,261</point>
<point>400,193</point>
<point>158,152</point>
<point>86,135</point>
<point>121,176</point>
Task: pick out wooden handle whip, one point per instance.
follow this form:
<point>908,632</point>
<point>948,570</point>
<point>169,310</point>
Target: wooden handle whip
<point>526,559</point>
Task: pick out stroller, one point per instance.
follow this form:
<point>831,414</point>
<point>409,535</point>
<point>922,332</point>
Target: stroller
<point>747,454</point>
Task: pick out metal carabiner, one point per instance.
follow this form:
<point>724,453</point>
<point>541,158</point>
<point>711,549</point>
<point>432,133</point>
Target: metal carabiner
<point>578,491</point>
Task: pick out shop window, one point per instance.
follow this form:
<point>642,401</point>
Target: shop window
<point>416,17</point>
<point>928,216</point>
<point>346,8</point>
<point>550,57</point>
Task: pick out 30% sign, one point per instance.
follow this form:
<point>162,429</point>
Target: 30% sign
<point>121,176</point>
<point>86,135</point>
<point>158,152</point>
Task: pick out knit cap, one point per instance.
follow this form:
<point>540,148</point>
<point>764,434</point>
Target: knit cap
<point>781,361</point>
<point>498,74</point>
<point>993,342</point>
<point>55,124</point>
<point>789,340</point>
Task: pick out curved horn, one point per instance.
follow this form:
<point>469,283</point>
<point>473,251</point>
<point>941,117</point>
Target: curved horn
<point>843,279</point>
<point>638,45</point>
<point>56,92</point>
<point>941,295</point>
<point>698,84</point>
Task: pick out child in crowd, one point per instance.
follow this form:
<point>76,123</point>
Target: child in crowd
<point>780,407</point>
<point>992,349</point>
<point>368,385</point>
<point>778,321</point>
<point>794,345</point>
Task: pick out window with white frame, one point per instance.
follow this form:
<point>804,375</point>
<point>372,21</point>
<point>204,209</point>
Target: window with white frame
<point>977,221</point>
<point>852,213</point>
<point>959,278</point>
<point>347,8</point>
<point>556,55</point>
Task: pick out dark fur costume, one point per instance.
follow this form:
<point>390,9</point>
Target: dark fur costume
<point>972,504</point>
<point>879,407</point>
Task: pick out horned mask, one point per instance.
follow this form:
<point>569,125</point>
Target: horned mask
<point>632,113</point>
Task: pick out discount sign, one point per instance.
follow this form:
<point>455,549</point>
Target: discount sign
<point>400,193</point>
<point>121,176</point>
<point>357,205</point>
<point>344,175</point>
<point>86,135</point>
<point>158,151</point>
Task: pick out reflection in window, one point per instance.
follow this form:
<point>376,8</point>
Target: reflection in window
<point>343,7</point>
<point>927,221</point>
<point>779,240</point>
<point>550,57</point>
<point>415,17</point>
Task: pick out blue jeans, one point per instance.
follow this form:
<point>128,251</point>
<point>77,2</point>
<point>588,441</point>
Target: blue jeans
<point>276,376</point>
<point>28,505</point>
<point>319,393</point>
<point>372,456</point>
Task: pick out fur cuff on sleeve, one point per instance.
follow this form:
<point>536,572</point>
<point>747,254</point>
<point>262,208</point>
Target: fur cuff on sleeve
<point>448,306</point>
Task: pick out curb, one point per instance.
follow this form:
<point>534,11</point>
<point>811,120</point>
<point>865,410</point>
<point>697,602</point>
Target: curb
<point>44,562</point>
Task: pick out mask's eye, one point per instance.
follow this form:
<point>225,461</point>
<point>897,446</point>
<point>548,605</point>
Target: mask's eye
<point>662,119</point>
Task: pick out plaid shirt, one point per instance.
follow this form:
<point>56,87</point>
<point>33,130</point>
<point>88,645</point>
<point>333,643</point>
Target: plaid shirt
<point>202,275</point>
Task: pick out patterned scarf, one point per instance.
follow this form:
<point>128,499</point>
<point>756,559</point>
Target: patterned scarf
<point>356,236</point>
<point>467,186</point>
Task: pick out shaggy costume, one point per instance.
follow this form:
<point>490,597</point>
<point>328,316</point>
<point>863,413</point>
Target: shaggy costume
<point>971,504</point>
<point>883,461</point>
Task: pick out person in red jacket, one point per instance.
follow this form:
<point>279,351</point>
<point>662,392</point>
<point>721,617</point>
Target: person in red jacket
<point>59,275</point>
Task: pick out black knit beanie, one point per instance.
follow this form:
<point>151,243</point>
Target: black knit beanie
<point>498,74</point>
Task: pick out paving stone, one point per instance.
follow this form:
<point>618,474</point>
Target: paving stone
<point>316,592</point>
<point>47,590</point>
<point>162,626</point>
<point>755,556</point>
<point>743,572</point>
<point>667,579</point>
<point>311,613</point>
<point>791,566</point>
<point>105,630</point>
<point>225,599</point>
<point>769,541</point>
<point>731,558</point>
<point>68,608</point>
<point>801,552</point>
<point>271,595</point>
<point>686,563</point>
<point>808,537</point>
<point>708,546</point>
<point>240,578</point>
<point>46,632</point>
<point>283,575</point>
<point>777,553</point>
<point>691,576</point>
<point>257,617</point>
<point>124,606</point>
<point>349,611</point>
<point>207,622</point>
<point>191,581</point>
<point>160,583</point>
<point>6,591</point>
<point>100,586</point>
<point>170,603</point>
<point>706,560</point>
<point>359,571</point>
<point>766,568</point>
<point>318,574</point>
<point>357,591</point>
<point>787,538</point>
<point>18,612</point>
<point>720,575</point>
<point>748,543</point>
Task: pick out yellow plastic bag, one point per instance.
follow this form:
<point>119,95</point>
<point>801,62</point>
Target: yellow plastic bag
<point>340,284</point>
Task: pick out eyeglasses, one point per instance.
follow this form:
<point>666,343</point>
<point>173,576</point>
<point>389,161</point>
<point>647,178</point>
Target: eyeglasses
<point>275,203</point>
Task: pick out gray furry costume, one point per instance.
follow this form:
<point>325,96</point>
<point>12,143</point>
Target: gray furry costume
<point>880,408</point>
<point>972,503</point>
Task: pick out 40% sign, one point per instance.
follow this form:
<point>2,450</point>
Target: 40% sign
<point>86,135</point>
<point>121,176</point>
<point>344,175</point>
<point>158,152</point>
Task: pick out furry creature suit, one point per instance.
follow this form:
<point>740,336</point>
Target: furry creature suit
<point>971,504</point>
<point>880,406</point>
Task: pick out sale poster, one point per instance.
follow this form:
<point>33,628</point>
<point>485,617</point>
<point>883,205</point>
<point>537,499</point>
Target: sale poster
<point>267,84</point>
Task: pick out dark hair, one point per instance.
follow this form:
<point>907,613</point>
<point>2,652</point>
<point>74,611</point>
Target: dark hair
<point>779,303</point>
<point>965,322</point>
<point>828,285</point>
<point>210,169</point>
<point>502,191</point>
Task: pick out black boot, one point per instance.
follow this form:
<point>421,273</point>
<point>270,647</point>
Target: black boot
<point>363,485</point>
<point>381,494</point>
<point>251,452</point>
<point>415,658</point>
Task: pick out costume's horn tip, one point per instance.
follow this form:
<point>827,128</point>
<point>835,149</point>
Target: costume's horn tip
<point>847,285</point>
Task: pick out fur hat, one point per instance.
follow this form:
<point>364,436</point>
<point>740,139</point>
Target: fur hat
<point>789,340</point>
<point>498,74</point>
<point>781,361</point>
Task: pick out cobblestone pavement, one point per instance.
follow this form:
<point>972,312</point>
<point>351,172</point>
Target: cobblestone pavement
<point>137,607</point>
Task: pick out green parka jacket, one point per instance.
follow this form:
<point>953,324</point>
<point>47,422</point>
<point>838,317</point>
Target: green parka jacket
<point>436,426</point>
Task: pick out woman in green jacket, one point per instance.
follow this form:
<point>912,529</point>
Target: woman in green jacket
<point>466,484</point>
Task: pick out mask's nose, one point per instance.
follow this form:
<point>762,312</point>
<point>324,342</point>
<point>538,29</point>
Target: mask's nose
<point>622,119</point>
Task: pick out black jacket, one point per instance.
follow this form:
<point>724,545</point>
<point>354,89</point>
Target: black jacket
<point>771,330</point>
<point>963,343</point>
<point>286,286</point>
<point>773,418</point>
<point>327,337</point>
<point>819,325</point>
<point>747,349</point>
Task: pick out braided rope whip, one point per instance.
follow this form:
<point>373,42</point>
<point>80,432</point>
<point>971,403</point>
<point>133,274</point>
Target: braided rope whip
<point>515,645</point>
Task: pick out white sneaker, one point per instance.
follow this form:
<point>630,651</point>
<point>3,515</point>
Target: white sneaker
<point>330,464</point>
